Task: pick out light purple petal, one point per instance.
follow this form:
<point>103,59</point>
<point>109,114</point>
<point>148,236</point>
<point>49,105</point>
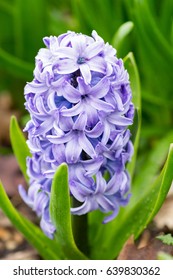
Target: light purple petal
<point>97,64</point>
<point>105,203</point>
<point>60,140</point>
<point>75,110</point>
<point>93,49</point>
<point>79,44</point>
<point>93,165</point>
<point>65,52</point>
<point>73,150</point>
<point>87,206</point>
<point>113,215</point>
<point>101,88</point>
<point>85,71</point>
<point>66,66</point>
<point>70,93</point>
<point>119,120</point>
<point>101,105</point>
<point>96,131</point>
<point>106,133</point>
<point>80,123</point>
<point>86,145</point>
<point>44,127</point>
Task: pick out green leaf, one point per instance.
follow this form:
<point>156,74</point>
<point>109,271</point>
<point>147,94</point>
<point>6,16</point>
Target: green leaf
<point>121,34</point>
<point>46,247</point>
<point>166,239</point>
<point>130,65</point>
<point>136,216</point>
<point>60,214</point>
<point>19,145</point>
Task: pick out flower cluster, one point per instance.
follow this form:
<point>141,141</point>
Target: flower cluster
<point>80,107</point>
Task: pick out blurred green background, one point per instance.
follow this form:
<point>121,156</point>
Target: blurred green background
<point>25,22</point>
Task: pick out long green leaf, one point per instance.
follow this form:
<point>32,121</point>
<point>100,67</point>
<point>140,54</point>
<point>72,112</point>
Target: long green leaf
<point>47,248</point>
<point>131,66</point>
<point>19,145</point>
<point>135,217</point>
<point>121,34</point>
<point>60,214</point>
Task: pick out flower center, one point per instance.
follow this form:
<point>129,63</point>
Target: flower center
<point>81,60</point>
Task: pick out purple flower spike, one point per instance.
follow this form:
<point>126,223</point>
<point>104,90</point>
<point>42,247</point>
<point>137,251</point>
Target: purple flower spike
<point>80,107</point>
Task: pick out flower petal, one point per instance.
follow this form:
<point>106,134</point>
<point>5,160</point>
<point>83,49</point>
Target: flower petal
<point>86,145</point>
<point>94,49</point>
<point>70,93</point>
<point>101,105</point>
<point>66,66</point>
<point>97,64</point>
<point>101,88</point>
<point>80,123</point>
<point>85,71</point>
<point>73,150</point>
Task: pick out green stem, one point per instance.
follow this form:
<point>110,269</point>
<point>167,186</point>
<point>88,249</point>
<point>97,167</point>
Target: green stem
<point>80,230</point>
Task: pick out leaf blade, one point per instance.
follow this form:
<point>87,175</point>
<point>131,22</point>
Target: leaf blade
<point>19,145</point>
<point>121,34</point>
<point>130,64</point>
<point>60,214</point>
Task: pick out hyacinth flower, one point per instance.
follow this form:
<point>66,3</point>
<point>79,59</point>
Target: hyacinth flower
<point>80,107</point>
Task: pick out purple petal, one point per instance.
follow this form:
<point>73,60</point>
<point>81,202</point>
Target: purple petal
<point>101,88</point>
<point>94,49</point>
<point>60,140</point>
<point>70,93</point>
<point>25,196</point>
<point>73,150</point>
<point>59,152</point>
<point>113,215</point>
<point>106,133</point>
<point>92,165</point>
<point>44,127</point>
<point>101,105</point>
<point>85,71</point>
<point>105,203</point>
<point>114,184</point>
<point>75,110</point>
<point>66,66</point>
<point>97,64</point>
<point>100,184</point>
<point>65,52</point>
<point>79,44</point>
<point>80,123</point>
<point>86,145</point>
<point>119,120</point>
<point>96,131</point>
<point>86,207</point>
